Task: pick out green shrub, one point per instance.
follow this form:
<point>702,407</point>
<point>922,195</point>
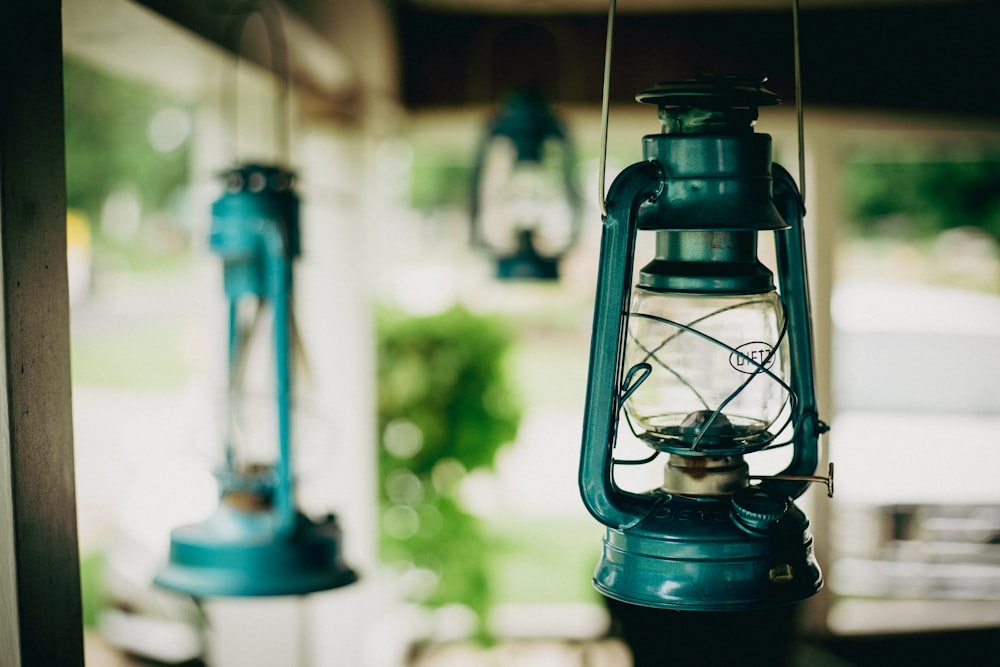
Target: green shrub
<point>445,408</point>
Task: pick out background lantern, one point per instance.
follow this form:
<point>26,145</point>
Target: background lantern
<point>256,542</point>
<point>525,204</point>
<point>707,361</point>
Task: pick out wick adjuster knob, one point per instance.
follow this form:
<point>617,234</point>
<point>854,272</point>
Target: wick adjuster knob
<point>828,480</point>
<point>755,510</point>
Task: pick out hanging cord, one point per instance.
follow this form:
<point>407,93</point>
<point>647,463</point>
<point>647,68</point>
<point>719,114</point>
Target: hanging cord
<point>798,103</point>
<point>605,105</point>
<point>279,67</point>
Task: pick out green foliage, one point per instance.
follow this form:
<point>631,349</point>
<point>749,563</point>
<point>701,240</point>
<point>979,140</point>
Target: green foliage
<point>92,590</point>
<point>440,185</point>
<point>922,197</point>
<point>546,559</point>
<point>108,145</point>
<point>445,407</point>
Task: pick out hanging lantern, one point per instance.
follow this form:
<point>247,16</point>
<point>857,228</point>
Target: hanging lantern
<point>708,363</point>
<point>256,542</point>
<point>525,202</point>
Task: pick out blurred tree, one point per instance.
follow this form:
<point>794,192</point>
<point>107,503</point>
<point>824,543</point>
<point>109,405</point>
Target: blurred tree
<point>924,196</point>
<point>445,407</point>
<point>111,131</point>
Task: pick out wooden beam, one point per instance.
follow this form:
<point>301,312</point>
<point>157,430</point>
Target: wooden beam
<point>928,57</point>
<point>40,608</point>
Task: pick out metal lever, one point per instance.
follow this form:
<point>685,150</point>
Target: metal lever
<point>828,480</point>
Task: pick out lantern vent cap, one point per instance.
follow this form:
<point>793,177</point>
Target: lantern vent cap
<point>710,91</point>
<point>710,103</point>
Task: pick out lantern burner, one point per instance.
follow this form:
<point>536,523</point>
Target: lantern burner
<point>250,488</point>
<point>705,475</point>
<point>699,433</point>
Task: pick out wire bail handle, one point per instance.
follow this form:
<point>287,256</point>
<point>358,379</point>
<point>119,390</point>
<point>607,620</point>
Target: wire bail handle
<point>239,16</point>
<point>606,104</point>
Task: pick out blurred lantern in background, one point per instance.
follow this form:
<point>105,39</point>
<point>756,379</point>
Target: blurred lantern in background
<point>526,205</point>
<point>257,542</point>
<point>708,362</point>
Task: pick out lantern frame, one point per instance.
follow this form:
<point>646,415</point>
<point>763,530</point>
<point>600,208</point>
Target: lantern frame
<point>741,549</point>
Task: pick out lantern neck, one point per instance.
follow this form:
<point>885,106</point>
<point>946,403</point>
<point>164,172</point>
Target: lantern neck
<point>706,262</point>
<point>694,120</point>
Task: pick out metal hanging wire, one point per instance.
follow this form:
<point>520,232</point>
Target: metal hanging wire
<point>800,126</point>
<point>606,104</point>
<point>605,108</point>
<point>270,16</point>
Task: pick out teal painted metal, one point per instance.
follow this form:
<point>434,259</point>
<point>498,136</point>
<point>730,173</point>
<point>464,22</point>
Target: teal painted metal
<point>247,553</point>
<point>256,542</point>
<point>706,183</point>
<point>692,554</point>
<point>255,230</point>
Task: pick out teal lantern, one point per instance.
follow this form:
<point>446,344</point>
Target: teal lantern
<point>257,543</point>
<point>706,362</point>
<point>525,203</point>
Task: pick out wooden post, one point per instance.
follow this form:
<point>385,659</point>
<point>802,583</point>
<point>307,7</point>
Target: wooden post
<point>40,608</point>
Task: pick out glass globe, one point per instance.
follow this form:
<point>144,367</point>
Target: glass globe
<point>718,368</point>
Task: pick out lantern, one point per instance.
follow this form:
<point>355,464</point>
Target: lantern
<point>525,205</point>
<point>256,542</point>
<point>707,363</point>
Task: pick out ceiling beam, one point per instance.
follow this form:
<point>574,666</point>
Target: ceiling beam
<point>919,57</point>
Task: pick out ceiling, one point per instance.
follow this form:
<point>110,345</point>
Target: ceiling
<point>644,6</point>
<point>926,56</point>
<point>896,54</point>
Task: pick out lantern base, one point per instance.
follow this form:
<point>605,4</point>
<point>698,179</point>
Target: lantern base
<point>705,554</point>
<point>240,553</point>
<point>527,267</point>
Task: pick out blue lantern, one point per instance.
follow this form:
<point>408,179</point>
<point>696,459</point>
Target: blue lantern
<point>707,362</point>
<point>257,543</point>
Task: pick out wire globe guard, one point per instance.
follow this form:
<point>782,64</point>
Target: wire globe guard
<point>704,553</point>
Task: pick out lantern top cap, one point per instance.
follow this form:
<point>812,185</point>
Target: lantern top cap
<point>258,178</point>
<point>247,168</point>
<point>527,119</point>
<point>707,91</point>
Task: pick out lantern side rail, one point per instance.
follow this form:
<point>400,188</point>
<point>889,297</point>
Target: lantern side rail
<point>794,282</point>
<point>281,285</point>
<point>273,285</point>
<point>607,503</point>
